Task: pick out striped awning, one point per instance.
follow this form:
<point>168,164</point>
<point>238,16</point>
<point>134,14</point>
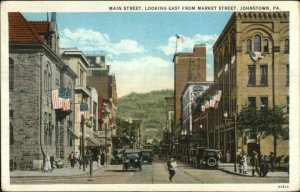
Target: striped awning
<point>73,134</point>
<point>93,142</point>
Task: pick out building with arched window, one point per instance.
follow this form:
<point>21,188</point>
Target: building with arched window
<point>251,67</point>
<point>41,94</point>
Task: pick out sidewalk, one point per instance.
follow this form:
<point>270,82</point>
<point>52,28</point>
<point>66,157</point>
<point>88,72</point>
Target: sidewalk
<point>229,168</point>
<point>66,171</point>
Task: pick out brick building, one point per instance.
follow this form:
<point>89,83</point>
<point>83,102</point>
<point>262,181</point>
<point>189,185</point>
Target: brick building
<point>251,67</point>
<point>38,79</point>
<point>187,67</point>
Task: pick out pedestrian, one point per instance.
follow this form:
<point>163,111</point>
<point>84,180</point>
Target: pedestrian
<point>80,160</point>
<point>272,161</point>
<point>228,157</point>
<point>72,159</point>
<point>219,157</point>
<point>245,165</point>
<point>51,161</point>
<point>77,158</point>
<point>102,158</point>
<point>241,162</point>
<point>47,166</point>
<point>255,163</point>
<point>262,166</point>
<point>172,166</point>
<point>99,160</point>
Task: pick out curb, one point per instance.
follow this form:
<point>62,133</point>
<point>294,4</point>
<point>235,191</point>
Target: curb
<point>44,174</point>
<point>233,173</point>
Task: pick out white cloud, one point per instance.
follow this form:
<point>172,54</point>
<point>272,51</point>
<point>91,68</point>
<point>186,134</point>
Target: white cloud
<point>142,74</point>
<point>89,40</point>
<point>189,43</point>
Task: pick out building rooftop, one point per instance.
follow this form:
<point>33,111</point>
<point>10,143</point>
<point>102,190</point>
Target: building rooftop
<point>21,31</point>
<point>41,27</point>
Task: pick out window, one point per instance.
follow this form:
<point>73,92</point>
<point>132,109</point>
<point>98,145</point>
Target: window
<point>266,46</point>
<point>11,73</point>
<point>286,46</point>
<point>288,105</point>
<point>252,102</point>
<point>251,75</point>
<point>249,48</point>
<point>81,77</point>
<point>11,127</point>
<point>264,102</point>
<point>257,42</point>
<point>263,75</point>
<point>287,75</point>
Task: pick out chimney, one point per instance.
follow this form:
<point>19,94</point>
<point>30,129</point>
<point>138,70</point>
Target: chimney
<point>53,16</point>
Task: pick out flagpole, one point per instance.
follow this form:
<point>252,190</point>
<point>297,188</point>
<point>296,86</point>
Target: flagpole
<point>176,43</point>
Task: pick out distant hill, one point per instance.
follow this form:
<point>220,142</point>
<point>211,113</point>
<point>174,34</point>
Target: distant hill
<point>150,107</point>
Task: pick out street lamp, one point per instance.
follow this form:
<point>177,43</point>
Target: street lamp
<point>235,136</point>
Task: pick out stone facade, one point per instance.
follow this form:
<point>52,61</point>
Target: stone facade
<point>36,129</point>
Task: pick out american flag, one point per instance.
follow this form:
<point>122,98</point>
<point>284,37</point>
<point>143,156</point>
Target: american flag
<point>56,101</point>
<point>179,38</point>
<point>256,56</point>
<point>66,105</point>
<point>77,113</point>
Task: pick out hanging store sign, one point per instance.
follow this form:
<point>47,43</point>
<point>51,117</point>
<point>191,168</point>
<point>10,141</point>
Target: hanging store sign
<point>64,93</point>
<point>83,107</point>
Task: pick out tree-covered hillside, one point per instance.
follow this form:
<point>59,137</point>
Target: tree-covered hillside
<point>150,107</point>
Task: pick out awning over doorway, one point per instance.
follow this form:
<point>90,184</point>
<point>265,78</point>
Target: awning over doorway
<point>73,134</point>
<point>93,142</point>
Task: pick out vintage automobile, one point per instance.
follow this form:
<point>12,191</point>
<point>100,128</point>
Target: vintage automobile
<point>117,157</point>
<point>207,158</point>
<point>147,155</point>
<point>132,159</point>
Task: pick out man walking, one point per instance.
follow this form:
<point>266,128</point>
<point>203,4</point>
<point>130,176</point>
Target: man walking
<point>172,166</point>
<point>51,161</point>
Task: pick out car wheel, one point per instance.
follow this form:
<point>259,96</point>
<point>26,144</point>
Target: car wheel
<point>141,168</point>
<point>211,162</point>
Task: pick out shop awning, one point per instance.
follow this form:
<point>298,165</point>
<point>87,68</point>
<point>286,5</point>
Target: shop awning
<point>93,142</point>
<point>73,134</point>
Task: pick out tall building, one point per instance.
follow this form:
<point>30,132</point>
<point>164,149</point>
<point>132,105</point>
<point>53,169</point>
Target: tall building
<point>41,94</point>
<point>251,67</point>
<point>187,67</point>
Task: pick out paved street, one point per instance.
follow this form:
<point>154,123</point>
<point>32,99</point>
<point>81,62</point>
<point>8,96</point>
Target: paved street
<point>155,173</point>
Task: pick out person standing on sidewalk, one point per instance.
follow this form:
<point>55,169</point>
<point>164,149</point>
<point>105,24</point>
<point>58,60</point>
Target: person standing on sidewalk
<point>245,165</point>
<point>228,157</point>
<point>172,166</point>
<point>47,166</point>
<point>255,163</point>
<point>99,160</point>
<point>51,161</point>
<point>72,159</point>
<point>272,161</point>
<point>102,158</point>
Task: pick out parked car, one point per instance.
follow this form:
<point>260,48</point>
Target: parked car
<point>117,157</point>
<point>208,158</point>
<point>132,159</point>
<point>147,155</point>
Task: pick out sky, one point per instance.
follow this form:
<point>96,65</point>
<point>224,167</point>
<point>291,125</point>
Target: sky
<point>139,46</point>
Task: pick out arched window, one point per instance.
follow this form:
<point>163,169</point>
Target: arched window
<point>266,46</point>
<point>249,48</point>
<point>257,43</point>
<point>11,73</point>
<point>286,46</point>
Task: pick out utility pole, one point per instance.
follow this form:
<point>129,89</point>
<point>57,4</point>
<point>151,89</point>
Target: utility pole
<point>82,140</point>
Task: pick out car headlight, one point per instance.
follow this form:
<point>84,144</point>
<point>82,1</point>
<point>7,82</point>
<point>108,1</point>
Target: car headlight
<point>136,160</point>
<point>204,162</point>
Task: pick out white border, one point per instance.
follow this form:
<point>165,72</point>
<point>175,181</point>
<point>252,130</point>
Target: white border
<point>102,6</point>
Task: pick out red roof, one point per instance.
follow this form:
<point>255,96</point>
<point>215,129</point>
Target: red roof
<point>20,31</point>
<point>41,27</point>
